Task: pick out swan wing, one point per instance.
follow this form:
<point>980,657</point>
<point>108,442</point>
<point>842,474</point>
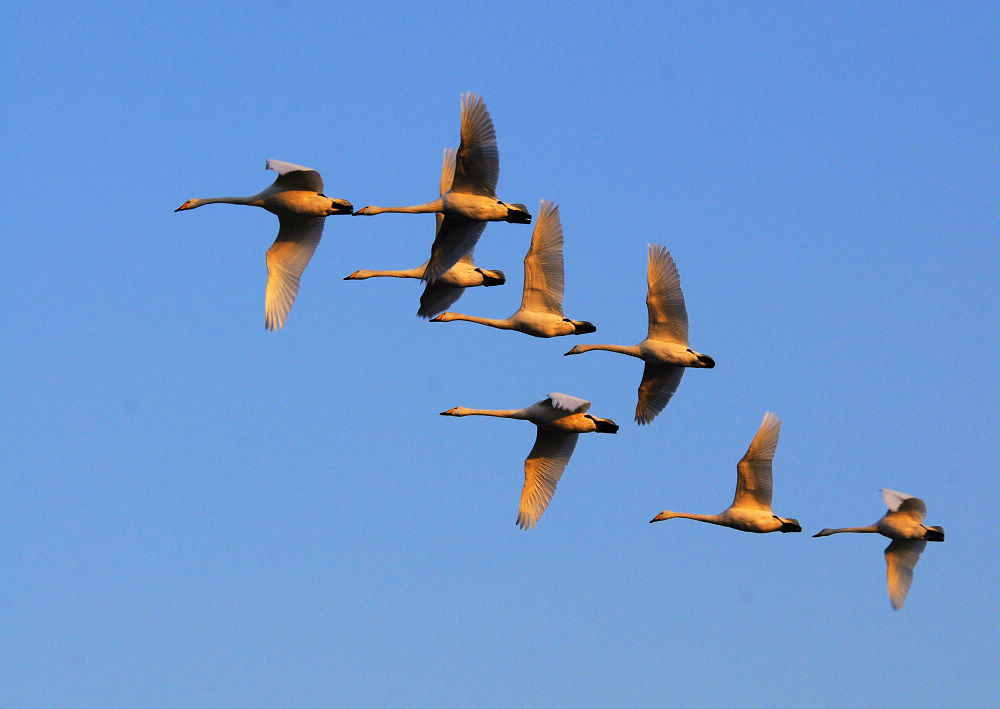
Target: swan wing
<point>668,318</point>
<point>753,473</point>
<point>543,264</point>
<point>542,469</point>
<point>901,502</point>
<point>297,240</point>
<point>572,404</point>
<point>658,384</point>
<point>477,164</point>
<point>900,558</point>
<point>454,239</point>
<point>295,177</point>
<point>437,297</point>
<point>447,177</point>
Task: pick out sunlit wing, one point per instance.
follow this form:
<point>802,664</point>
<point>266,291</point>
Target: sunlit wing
<point>753,473</point>
<point>571,404</point>
<point>900,557</point>
<point>543,264</point>
<point>447,176</point>
<point>668,318</point>
<point>456,238</point>
<point>297,240</point>
<point>542,469</point>
<point>295,177</point>
<point>477,164</point>
<point>901,502</point>
<point>658,384</point>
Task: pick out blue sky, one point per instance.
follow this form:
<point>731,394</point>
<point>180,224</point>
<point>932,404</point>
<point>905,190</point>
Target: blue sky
<point>196,512</point>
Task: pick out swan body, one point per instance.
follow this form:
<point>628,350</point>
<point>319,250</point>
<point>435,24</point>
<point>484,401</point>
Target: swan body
<point>471,201</point>
<point>560,419</point>
<point>541,312</point>
<point>904,524</point>
<point>665,349</point>
<point>297,198</point>
<point>751,508</point>
<point>448,288</point>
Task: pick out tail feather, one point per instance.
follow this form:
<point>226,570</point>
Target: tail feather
<point>934,534</point>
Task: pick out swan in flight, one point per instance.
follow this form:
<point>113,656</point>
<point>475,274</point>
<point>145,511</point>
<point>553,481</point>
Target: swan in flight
<point>541,312</point>
<point>560,419</point>
<point>904,525</point>
<point>751,508</point>
<point>298,200</point>
<point>472,199</point>
<point>665,349</point>
<point>443,292</point>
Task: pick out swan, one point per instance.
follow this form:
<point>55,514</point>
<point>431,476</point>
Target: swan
<point>665,349</point>
<point>296,196</point>
<point>904,525</point>
<point>541,312</point>
<point>443,292</point>
<point>751,508</point>
<point>560,419</point>
<point>472,199</point>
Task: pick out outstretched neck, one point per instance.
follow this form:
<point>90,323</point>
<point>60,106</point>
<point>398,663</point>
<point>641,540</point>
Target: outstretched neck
<point>405,273</point>
<point>434,206</point>
<point>711,519</point>
<point>500,413</point>
<point>870,529</point>
<point>504,324</point>
<point>253,200</point>
<point>632,350</point>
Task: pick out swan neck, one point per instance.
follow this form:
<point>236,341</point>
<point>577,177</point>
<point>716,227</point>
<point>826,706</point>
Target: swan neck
<point>500,413</point>
<point>711,519</point>
<point>870,529</point>
<point>434,206</point>
<point>632,350</point>
<point>490,322</point>
<point>252,200</point>
<point>404,273</point>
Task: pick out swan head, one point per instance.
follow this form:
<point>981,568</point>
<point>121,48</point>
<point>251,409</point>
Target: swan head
<point>190,204</point>
<point>443,317</point>
<point>666,514</point>
<point>367,211</point>
<point>454,411</point>
<point>823,533</point>
<point>356,276</point>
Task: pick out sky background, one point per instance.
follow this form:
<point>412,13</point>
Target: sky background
<point>197,512</point>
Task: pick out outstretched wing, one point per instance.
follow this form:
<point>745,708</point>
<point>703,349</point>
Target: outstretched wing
<point>659,382</point>
<point>542,469</point>
<point>477,165</point>
<point>900,557</point>
<point>901,502</point>
<point>455,238</point>
<point>297,240</point>
<point>447,177</point>
<point>668,318</point>
<point>571,404</point>
<point>753,473</point>
<point>295,177</point>
<point>543,264</point>
<point>436,298</point>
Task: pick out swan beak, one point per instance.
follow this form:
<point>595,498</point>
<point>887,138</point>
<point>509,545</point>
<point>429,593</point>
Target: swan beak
<point>350,277</point>
<point>360,211</point>
<point>657,518</point>
<point>446,413</point>
<point>572,351</point>
<point>181,208</point>
<point>436,318</point>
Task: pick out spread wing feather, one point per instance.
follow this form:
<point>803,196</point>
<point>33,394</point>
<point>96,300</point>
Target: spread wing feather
<point>287,258</point>
<point>542,469</point>
<point>668,318</point>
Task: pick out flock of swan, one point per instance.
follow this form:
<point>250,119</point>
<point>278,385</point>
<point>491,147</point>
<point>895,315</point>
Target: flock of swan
<point>467,201</point>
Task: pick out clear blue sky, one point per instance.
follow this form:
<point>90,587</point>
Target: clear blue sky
<point>196,512</point>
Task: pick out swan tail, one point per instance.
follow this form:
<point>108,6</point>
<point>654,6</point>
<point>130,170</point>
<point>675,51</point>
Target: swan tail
<point>518,214</point>
<point>493,278</point>
<point>934,534</point>
<point>605,425</point>
<point>790,525</point>
<point>582,327</point>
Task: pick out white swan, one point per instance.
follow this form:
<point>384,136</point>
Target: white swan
<point>904,525</point>
<point>541,312</point>
<point>298,200</point>
<point>472,199</point>
<point>665,349</point>
<point>443,292</point>
<point>751,508</point>
<point>560,419</point>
